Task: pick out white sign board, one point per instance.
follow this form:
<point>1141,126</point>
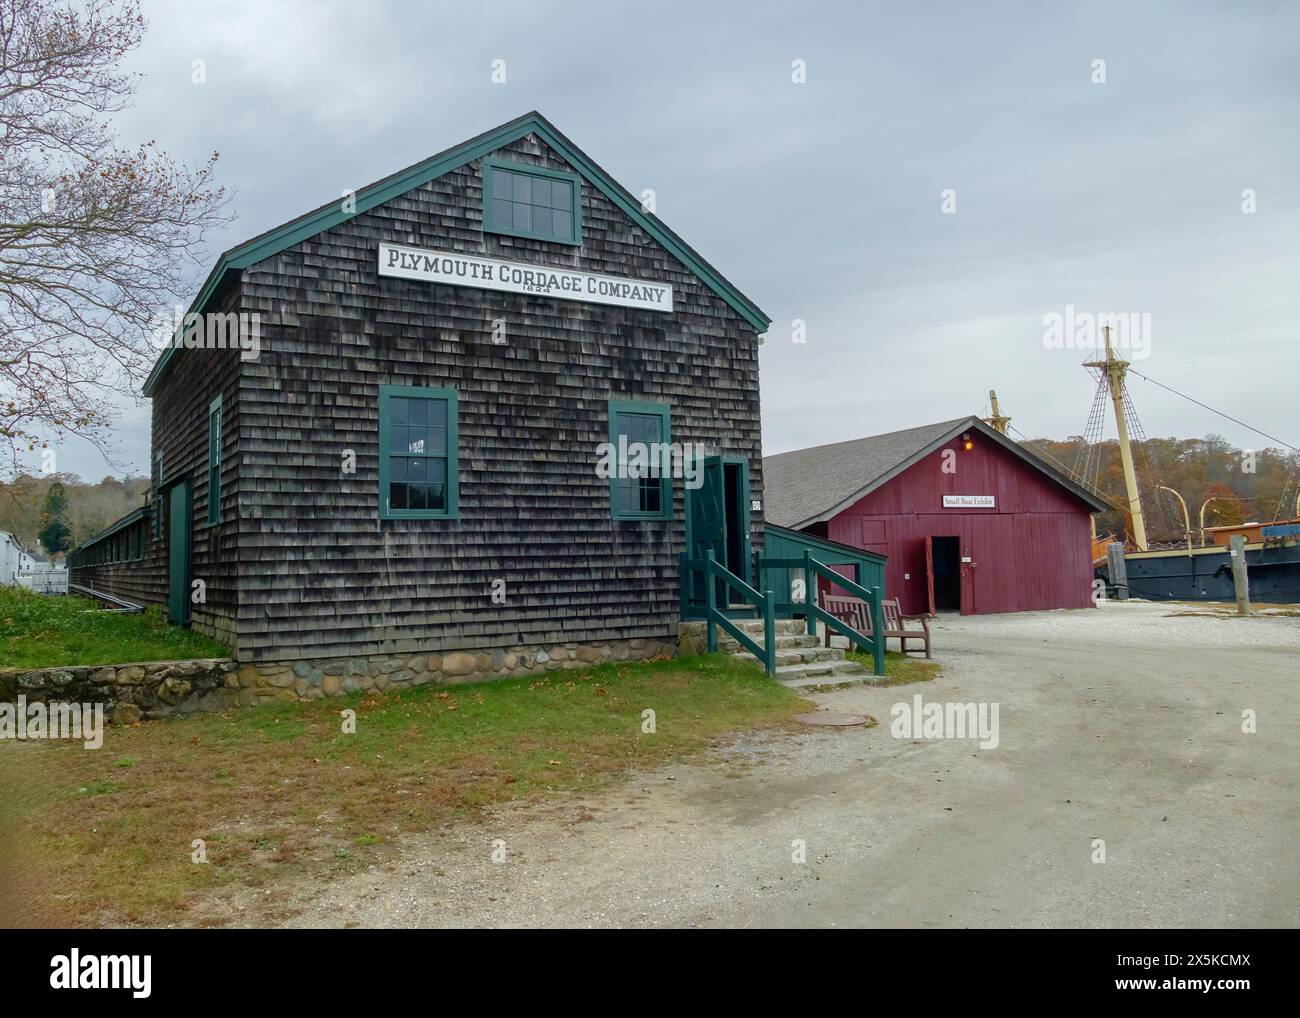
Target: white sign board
<point>969,502</point>
<point>515,277</point>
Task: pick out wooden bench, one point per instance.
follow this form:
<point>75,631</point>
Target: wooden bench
<point>855,612</point>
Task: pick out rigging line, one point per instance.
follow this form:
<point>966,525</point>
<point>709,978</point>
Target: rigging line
<point>1081,481</point>
<point>1227,417</point>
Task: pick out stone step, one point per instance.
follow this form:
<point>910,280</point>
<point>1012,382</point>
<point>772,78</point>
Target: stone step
<point>836,666</point>
<point>796,656</point>
<point>791,626</point>
<point>824,675</point>
<point>783,642</point>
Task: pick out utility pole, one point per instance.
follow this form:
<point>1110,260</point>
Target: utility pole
<point>1115,370</point>
<point>995,420</point>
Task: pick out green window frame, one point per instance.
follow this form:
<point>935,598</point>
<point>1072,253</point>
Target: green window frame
<point>419,458</point>
<point>520,200</point>
<point>214,461</point>
<point>644,498</point>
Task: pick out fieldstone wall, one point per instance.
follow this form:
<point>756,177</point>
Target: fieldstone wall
<point>146,689</point>
<point>154,689</point>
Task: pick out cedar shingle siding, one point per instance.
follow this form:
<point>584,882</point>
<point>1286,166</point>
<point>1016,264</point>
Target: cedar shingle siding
<point>301,566</point>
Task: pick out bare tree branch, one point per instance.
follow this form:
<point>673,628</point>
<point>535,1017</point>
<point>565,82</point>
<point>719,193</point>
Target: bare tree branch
<point>97,241</point>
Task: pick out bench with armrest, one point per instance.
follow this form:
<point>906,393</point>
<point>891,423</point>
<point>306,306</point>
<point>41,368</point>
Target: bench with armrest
<point>856,613</point>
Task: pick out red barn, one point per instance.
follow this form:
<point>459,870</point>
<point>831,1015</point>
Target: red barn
<point>970,520</point>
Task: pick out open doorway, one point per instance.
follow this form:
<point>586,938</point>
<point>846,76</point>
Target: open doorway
<point>736,492</point>
<point>947,574</point>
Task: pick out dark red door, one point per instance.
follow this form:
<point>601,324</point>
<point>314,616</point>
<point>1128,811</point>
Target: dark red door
<point>968,567</point>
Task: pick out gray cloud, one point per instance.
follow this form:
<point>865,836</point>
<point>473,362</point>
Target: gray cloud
<point>822,201</point>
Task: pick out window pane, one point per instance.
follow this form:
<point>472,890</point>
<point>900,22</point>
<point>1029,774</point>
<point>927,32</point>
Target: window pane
<point>437,442</point>
<point>627,495</point>
<point>561,194</point>
<point>563,222</point>
<point>523,187</point>
<point>397,496</point>
<point>650,491</point>
<point>415,470</point>
<point>501,183</point>
<point>437,412</point>
<point>418,412</point>
<point>523,217</point>
<point>501,217</point>
<point>640,427</point>
<point>418,496</point>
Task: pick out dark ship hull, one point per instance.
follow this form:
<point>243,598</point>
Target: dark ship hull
<point>1272,567</point>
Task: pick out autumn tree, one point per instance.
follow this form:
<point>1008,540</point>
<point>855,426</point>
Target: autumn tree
<point>55,535</point>
<point>97,240</point>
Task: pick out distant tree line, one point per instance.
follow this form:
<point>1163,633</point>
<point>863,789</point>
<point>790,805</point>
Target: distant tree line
<point>62,510</point>
<point>1257,485</point>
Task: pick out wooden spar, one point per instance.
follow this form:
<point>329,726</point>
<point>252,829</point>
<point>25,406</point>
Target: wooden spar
<point>995,420</point>
<point>1115,370</point>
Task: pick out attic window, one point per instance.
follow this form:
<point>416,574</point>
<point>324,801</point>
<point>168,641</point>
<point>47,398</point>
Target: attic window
<point>527,201</point>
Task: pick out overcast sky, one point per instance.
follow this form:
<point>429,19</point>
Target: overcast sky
<point>823,201</point>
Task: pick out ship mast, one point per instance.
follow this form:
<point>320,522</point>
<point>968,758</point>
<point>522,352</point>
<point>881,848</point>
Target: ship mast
<point>995,420</point>
<point>1115,370</point>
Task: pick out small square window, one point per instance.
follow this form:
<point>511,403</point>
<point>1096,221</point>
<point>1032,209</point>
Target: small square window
<point>526,201</point>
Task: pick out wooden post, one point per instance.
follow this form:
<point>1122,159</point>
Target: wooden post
<point>769,633</point>
<point>878,630</point>
<point>1240,582</point>
<point>710,602</point>
<point>810,591</point>
<point>1117,569</point>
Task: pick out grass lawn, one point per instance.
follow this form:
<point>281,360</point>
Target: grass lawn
<point>900,669</point>
<point>44,631</point>
<point>91,837</point>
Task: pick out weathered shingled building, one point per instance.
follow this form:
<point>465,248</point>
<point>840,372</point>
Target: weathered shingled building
<point>404,478</point>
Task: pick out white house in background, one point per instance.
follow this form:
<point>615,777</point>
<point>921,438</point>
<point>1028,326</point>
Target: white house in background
<point>13,559</point>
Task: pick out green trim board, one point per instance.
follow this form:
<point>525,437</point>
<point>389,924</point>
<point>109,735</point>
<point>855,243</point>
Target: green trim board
<point>562,189</point>
<point>332,214</point>
<point>214,461</point>
<point>394,402</point>
<point>661,411</point>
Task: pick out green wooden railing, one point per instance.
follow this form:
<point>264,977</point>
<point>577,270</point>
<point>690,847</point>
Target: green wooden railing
<point>714,571</point>
<point>814,612</point>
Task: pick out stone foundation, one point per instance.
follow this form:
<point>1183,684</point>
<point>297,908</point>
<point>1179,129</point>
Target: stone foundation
<point>155,689</point>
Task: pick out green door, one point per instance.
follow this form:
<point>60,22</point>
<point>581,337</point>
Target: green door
<point>706,527</point>
<point>178,552</point>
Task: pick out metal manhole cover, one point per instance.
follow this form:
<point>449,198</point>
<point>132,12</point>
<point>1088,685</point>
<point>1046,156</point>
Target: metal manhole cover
<point>833,719</point>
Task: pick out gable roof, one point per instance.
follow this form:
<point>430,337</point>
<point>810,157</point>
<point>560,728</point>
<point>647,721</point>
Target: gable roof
<point>331,214</point>
<point>812,485</point>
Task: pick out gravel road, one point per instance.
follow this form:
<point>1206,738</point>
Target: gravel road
<point>1122,725</point>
